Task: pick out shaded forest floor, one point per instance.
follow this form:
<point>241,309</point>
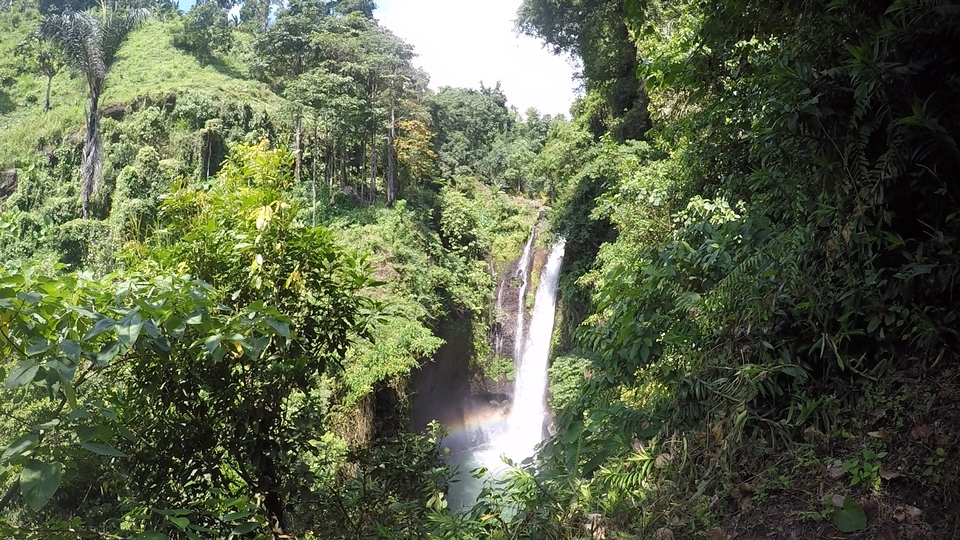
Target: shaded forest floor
<point>893,451</point>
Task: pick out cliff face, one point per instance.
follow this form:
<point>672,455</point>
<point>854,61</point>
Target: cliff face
<point>450,389</point>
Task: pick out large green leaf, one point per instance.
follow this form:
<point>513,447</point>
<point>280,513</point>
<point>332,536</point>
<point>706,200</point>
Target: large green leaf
<point>64,367</point>
<point>39,482</point>
<point>19,376</point>
<point>102,449</point>
<point>128,329</point>
<point>38,346</point>
<point>71,349</point>
<point>850,518</point>
<point>244,528</point>
<point>21,445</point>
<point>100,327</point>
<point>281,327</point>
<point>108,353</point>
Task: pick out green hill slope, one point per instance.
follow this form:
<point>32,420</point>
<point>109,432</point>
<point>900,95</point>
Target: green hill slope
<point>147,66</point>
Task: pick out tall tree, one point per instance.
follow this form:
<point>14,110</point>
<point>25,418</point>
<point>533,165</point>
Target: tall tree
<point>90,44</point>
<point>595,31</point>
<point>467,122</point>
<point>286,50</point>
<point>44,58</point>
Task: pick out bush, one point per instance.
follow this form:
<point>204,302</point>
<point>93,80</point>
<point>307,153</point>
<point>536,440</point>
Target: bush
<point>84,243</point>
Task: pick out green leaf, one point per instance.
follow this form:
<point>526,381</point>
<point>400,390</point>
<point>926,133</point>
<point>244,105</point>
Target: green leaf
<point>79,414</point>
<point>64,367</point>
<point>38,346</point>
<point>174,512</point>
<point>151,535</point>
<point>102,449</point>
<point>180,522</point>
<point>39,482</point>
<point>128,329</point>
<point>850,518</point>
<point>86,433</point>
<point>29,297</point>
<point>236,515</point>
<point>108,353</point>
<point>71,349</point>
<point>573,433</point>
<point>21,445</point>
<point>282,328</point>
<point>245,528</point>
<point>70,393</point>
<point>49,424</point>
<point>19,376</point>
<point>100,327</point>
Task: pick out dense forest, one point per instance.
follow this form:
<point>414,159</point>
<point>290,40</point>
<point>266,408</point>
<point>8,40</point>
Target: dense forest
<point>233,238</point>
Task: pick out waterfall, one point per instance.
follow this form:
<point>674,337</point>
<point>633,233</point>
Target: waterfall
<point>517,437</point>
<point>525,423</point>
<point>523,273</point>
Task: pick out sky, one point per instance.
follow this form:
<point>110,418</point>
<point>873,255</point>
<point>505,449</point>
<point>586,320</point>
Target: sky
<point>466,42</point>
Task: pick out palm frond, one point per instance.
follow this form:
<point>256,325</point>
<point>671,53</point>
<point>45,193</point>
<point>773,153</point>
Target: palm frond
<point>79,35</point>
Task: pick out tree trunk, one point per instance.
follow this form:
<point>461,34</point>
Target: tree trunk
<point>46,102</point>
<point>343,168</point>
<point>298,128</point>
<point>92,153</point>
<point>373,170</point>
<point>268,481</point>
<point>391,159</point>
<point>313,171</point>
<point>330,170</point>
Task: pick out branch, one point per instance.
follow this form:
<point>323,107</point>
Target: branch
<point>9,495</point>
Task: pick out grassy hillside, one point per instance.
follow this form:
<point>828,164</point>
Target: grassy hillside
<point>148,65</point>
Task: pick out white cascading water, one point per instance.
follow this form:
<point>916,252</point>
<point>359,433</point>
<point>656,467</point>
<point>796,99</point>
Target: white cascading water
<point>523,272</point>
<point>524,426</point>
<point>498,336</point>
<point>525,423</point>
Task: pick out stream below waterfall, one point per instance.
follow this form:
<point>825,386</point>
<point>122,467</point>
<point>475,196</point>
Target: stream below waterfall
<point>516,436</point>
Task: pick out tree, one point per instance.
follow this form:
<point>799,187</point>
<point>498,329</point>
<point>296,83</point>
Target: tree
<point>285,51</point>
<point>235,406</point>
<point>595,31</point>
<point>414,147</point>
<point>44,58</point>
<point>345,7</point>
<point>467,121</point>
<point>204,30</point>
<point>90,44</point>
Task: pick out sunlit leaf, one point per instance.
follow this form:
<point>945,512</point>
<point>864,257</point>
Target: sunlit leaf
<point>100,327</point>
<point>22,374</point>
<point>128,329</point>
<point>21,445</point>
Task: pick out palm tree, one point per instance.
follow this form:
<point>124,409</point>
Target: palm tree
<point>90,44</point>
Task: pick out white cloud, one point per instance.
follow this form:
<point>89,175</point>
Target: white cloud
<point>464,42</point>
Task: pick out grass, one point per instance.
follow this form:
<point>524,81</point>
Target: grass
<point>147,65</point>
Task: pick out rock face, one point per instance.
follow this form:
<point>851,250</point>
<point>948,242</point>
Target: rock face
<point>8,183</point>
<point>447,389</point>
<point>443,387</point>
